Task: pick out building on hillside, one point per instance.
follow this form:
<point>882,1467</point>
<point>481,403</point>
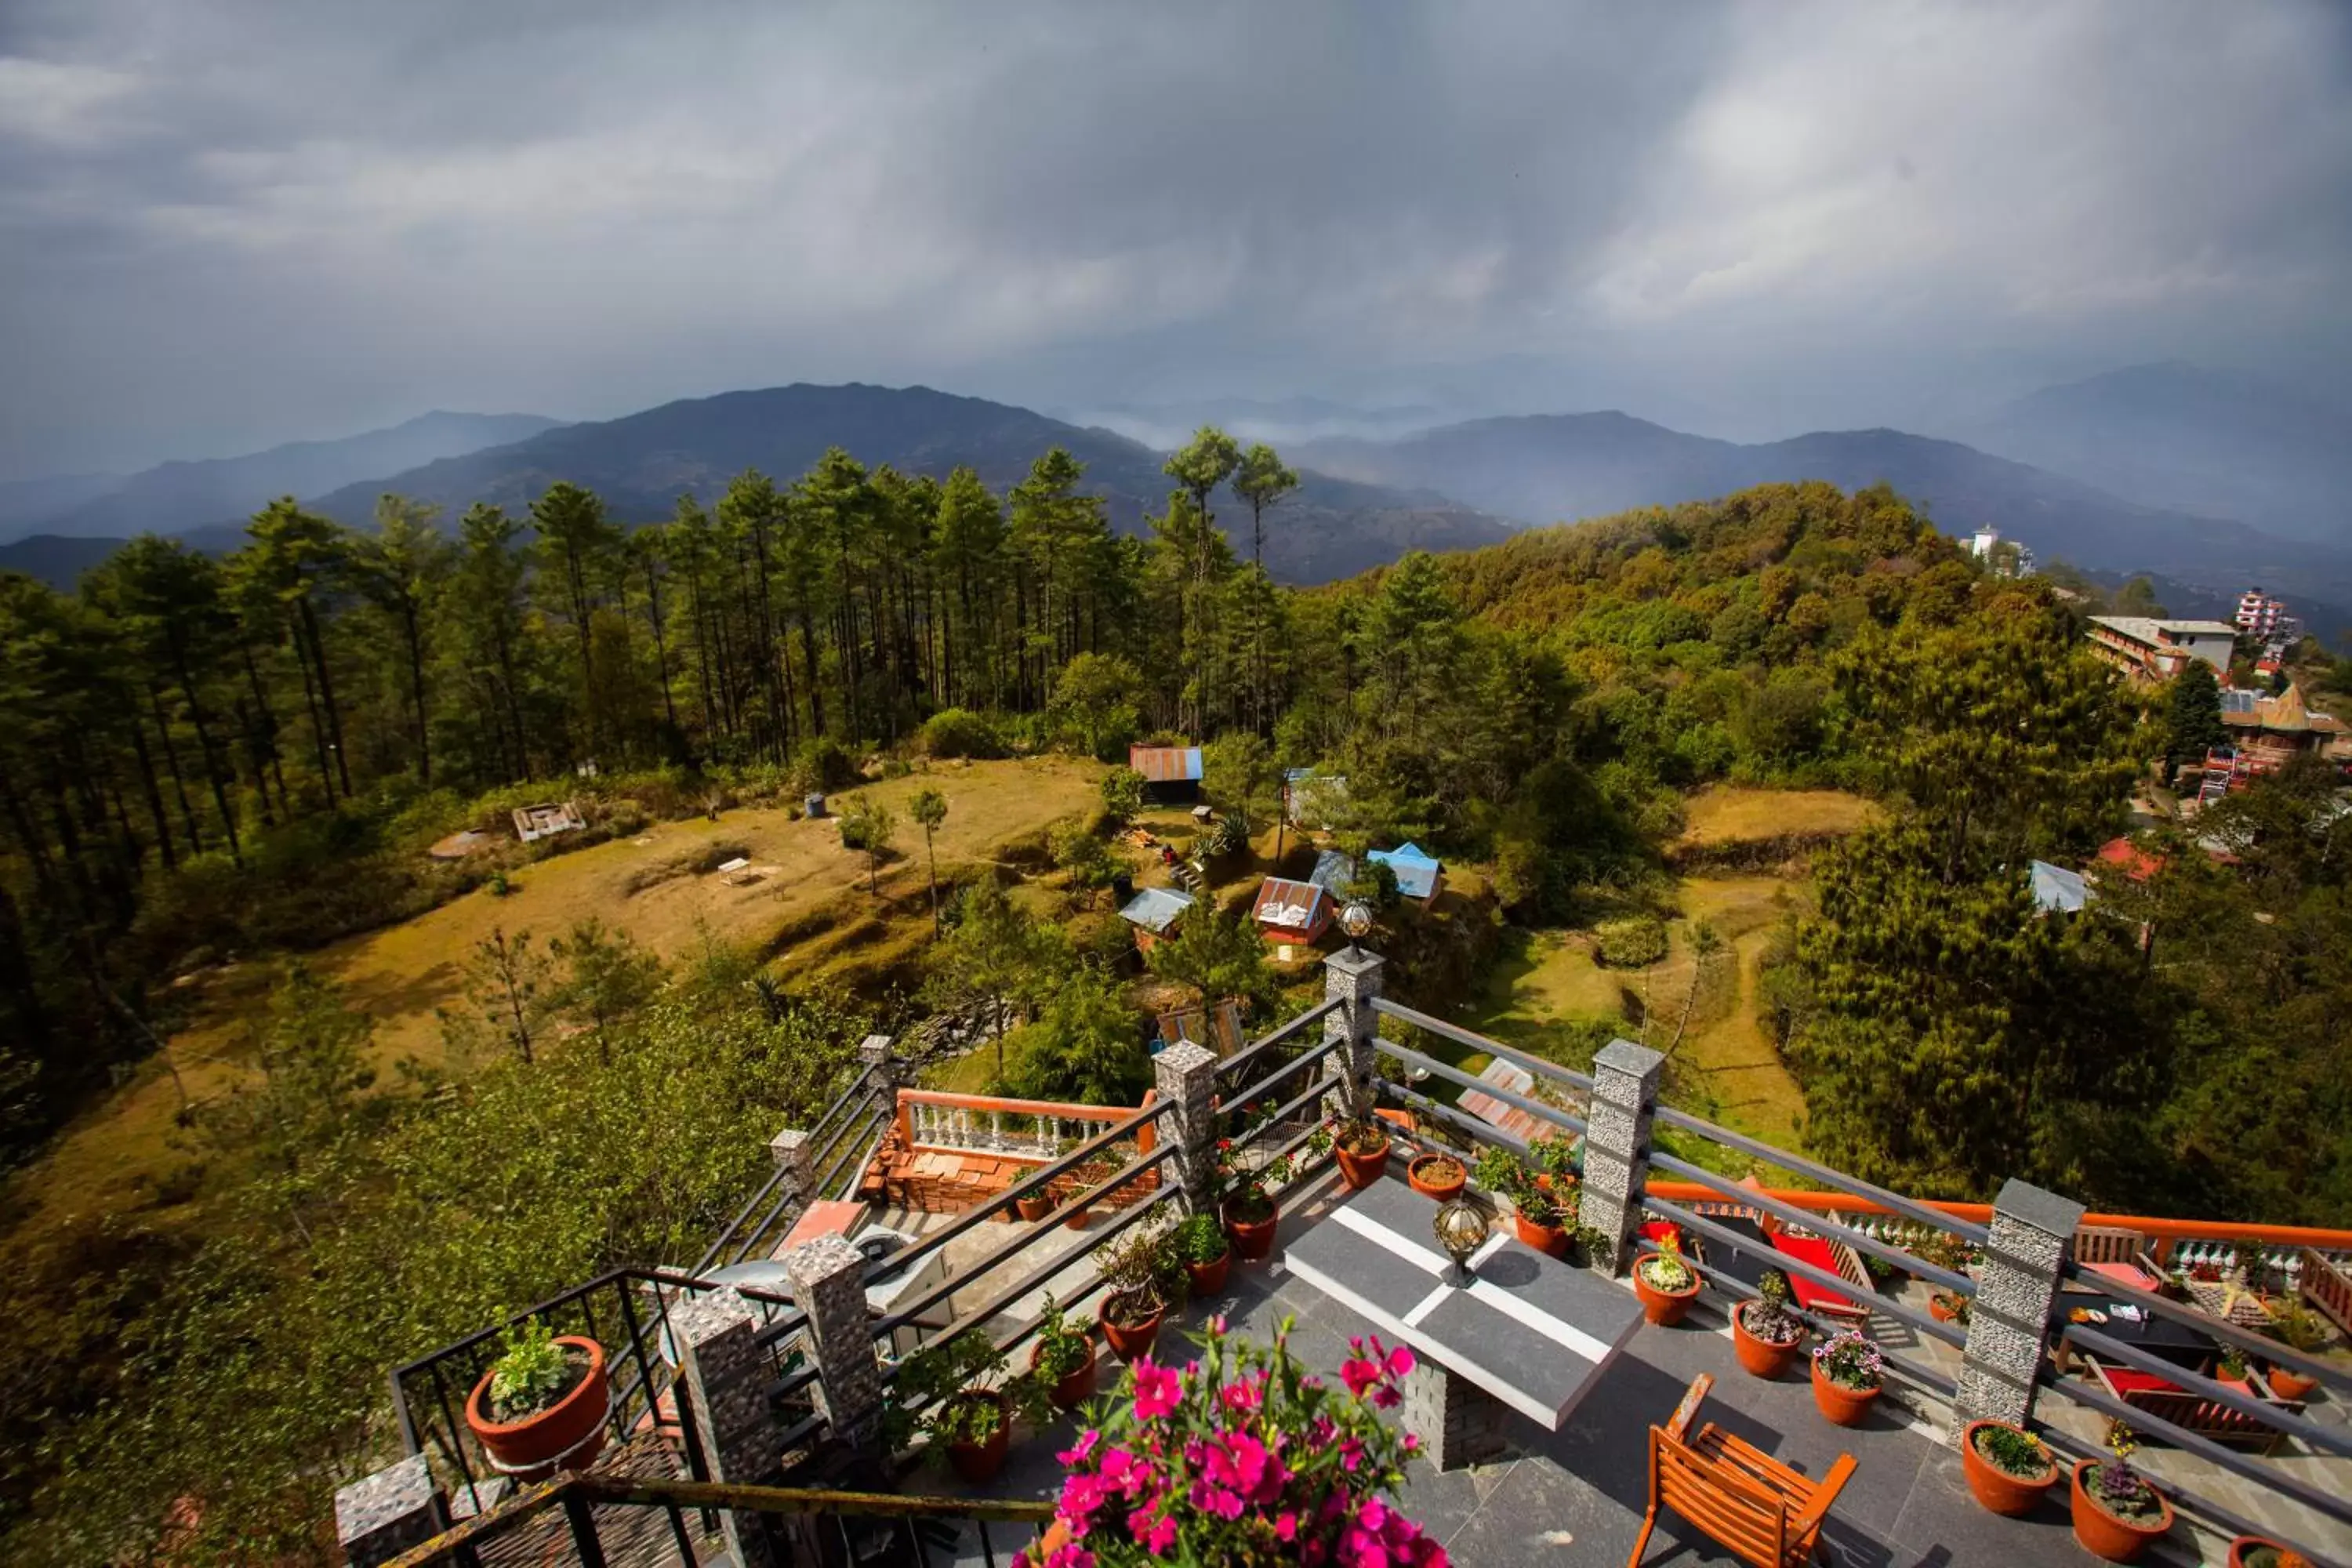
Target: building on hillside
<point>1419,874</point>
<point>2152,651</point>
<point>2264,618</point>
<point>1170,772</point>
<point>532,823</point>
<point>2265,732</point>
<point>1292,912</point>
<point>1335,873</point>
<point>1155,913</point>
<point>2120,857</point>
<point>2007,558</point>
<point>2057,890</point>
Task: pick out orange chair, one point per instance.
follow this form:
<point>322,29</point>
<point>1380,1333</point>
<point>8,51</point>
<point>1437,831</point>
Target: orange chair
<point>1747,1502</point>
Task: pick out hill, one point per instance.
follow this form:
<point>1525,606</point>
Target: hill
<point>1549,467</point>
<point>642,463</point>
<point>2200,440</point>
<point>54,560</point>
<point>172,497</point>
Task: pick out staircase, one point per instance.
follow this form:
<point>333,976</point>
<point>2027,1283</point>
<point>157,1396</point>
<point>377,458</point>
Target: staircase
<point>1187,876</point>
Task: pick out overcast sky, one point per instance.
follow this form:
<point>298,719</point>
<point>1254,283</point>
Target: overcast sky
<point>224,226</point>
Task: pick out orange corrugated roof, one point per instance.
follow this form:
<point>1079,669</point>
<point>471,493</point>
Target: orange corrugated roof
<point>1166,764</point>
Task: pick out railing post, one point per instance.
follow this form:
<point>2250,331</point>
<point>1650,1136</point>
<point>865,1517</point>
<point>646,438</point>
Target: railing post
<point>790,1150</point>
<point>828,1278</point>
<point>1352,977</point>
<point>381,1516</point>
<point>2009,1319</point>
<point>879,1072</point>
<point>1187,1084</point>
<point>726,1375</point>
<point>1617,1148</point>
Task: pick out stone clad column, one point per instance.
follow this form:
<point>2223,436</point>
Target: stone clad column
<point>1617,1148</point>
<point>726,1375</point>
<point>790,1151</point>
<point>381,1516</point>
<point>2009,1319</point>
<point>828,1278</point>
<point>1353,977</point>
<point>1187,1084</point>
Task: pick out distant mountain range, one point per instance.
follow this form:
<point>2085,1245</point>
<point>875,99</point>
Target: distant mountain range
<point>2191,440</point>
<point>175,497</point>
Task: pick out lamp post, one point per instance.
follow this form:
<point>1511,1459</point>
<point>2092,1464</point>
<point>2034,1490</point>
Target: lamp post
<point>1460,1227</point>
<point>1356,919</point>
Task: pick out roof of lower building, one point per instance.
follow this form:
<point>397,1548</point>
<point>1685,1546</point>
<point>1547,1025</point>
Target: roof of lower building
<point>2145,628</point>
<point>2059,891</point>
<point>1166,764</point>
<point>1333,871</point>
<point>1156,909</point>
<point>1293,906</point>
<point>1416,869</point>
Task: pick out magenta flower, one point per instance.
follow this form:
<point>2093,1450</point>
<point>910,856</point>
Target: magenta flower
<point>1401,1362</point>
<point>1358,1374</point>
<point>1156,1390</point>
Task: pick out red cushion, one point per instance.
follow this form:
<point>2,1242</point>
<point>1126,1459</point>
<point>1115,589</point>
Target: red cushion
<point>1811,1249</point>
<point>2131,1380</point>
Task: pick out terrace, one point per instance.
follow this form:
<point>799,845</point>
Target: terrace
<point>746,1390</point>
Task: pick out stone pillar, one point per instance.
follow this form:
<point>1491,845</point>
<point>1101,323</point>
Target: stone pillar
<point>1353,977</point>
<point>790,1151</point>
<point>1187,1084</point>
<point>725,1373</point>
<point>1617,1148</point>
<point>828,1278</point>
<point>1458,1423</point>
<point>381,1516</point>
<point>881,1068</point>
<point>2008,1320</point>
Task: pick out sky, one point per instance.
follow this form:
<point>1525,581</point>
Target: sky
<point>227,224</point>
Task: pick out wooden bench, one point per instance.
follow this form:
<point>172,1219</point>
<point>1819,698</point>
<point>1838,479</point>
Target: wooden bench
<point>1744,1501</point>
<point>2192,1411</point>
<point>2328,1286</point>
<point>1824,1252</point>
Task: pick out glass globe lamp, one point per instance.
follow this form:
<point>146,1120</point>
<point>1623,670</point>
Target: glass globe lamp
<point>1355,918</point>
<point>1460,1227</point>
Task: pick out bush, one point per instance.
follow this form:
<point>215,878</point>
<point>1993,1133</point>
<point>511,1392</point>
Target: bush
<point>822,764</point>
<point>1635,942</point>
<point>961,733</point>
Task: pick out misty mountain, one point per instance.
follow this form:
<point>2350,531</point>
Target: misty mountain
<point>641,464</point>
<point>2194,440</point>
<point>1552,468</point>
<point>25,502</point>
<point>58,561</point>
<point>175,497</point>
<point>1282,422</point>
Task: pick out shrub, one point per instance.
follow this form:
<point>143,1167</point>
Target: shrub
<point>961,733</point>
<point>822,764</point>
<point>1635,942</point>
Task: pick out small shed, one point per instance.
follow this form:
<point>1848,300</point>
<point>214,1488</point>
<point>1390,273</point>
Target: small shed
<point>532,823</point>
<point>1292,912</point>
<point>1155,912</point>
<point>1170,772</point>
<point>2057,890</point>
<point>1419,874</point>
<point>1333,872</point>
<point>1219,1028</point>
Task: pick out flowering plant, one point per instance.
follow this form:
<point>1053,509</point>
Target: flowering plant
<point>1240,1457</point>
<point>1247,1190</point>
<point>2115,1486</point>
<point>1851,1360</point>
<point>1665,1267</point>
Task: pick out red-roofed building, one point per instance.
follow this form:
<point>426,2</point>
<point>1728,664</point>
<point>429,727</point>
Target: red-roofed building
<point>1292,912</point>
<point>2129,860</point>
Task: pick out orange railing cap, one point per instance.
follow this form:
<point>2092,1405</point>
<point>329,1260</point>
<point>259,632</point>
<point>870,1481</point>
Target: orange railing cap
<point>2148,1224</point>
<point>1064,1108</point>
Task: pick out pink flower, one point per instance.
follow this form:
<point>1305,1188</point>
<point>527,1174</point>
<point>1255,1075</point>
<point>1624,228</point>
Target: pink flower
<point>1077,1454</point>
<point>1071,1556</point>
<point>1241,1398</point>
<point>1411,1443</point>
<point>1386,1397</point>
<point>1359,1376</point>
<point>1401,1362</point>
<point>1156,1391</point>
<point>1285,1525</point>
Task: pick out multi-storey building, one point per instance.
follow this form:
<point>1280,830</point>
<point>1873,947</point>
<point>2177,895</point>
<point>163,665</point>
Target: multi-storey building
<point>2152,651</point>
<point>2263,617</point>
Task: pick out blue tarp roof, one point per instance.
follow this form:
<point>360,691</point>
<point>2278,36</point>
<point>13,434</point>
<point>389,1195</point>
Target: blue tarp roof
<point>1416,871</point>
<point>1333,871</point>
<point>1157,909</point>
<point>2058,890</point>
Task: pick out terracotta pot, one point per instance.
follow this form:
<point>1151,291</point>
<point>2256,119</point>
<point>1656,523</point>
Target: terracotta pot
<point>1762,1357</point>
<point>1994,1487</point>
<point>1128,1343</point>
<point>1253,1240</point>
<point>1078,1220</point>
<point>2246,1543</point>
<point>1360,1171</point>
<point>1443,1191</point>
<point>1940,1309</point>
<point>2102,1533</point>
<point>2289,1384</point>
<point>1664,1307</point>
<point>1844,1406</point>
<point>1208,1279</point>
<point>1551,1238</point>
<point>977,1462</point>
<point>1074,1389</point>
<point>570,1432</point>
<point>1035,1208</point>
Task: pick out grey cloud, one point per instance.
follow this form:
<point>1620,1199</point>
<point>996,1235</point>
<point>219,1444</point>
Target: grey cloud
<point>224,225</point>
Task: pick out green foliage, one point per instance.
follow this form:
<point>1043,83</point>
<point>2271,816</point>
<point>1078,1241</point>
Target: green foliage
<point>1635,942</point>
<point>1062,1346</point>
<point>927,1399</point>
<point>1199,1238</point>
<point>1122,793</point>
<point>1099,700</point>
<point>1217,955</point>
<point>959,732</point>
<point>532,1371</point>
<point>2192,715</point>
<point>2016,1453</point>
<point>1084,856</point>
<point>1085,1046</point>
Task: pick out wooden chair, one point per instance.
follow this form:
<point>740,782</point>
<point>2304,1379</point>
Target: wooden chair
<point>2118,1253</point>
<point>1740,1497</point>
<point>2167,1401</point>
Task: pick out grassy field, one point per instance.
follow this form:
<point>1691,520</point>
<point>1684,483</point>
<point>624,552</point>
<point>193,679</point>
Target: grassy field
<point>811,907</point>
<point>1727,813</point>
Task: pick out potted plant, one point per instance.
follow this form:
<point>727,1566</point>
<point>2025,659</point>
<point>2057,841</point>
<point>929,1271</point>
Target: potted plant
<point>2116,1511</point>
<point>1208,1256</point>
<point>2007,1467</point>
<point>1764,1331</point>
<point>1848,1374</point>
<point>2298,1328</point>
<point>1438,1175</point>
<point>2261,1551</point>
<point>1145,1277</point>
<point>1949,1306</point>
<point>542,1405</point>
<point>1361,1145</point>
<point>1035,1206</point>
<point>1536,1212</point>
<point>2235,1367</point>
<point>1062,1359</point>
<point>1091,1173</point>
<point>1241,1457</point>
<point>1251,1212</point>
<point>945,1394</point>
<point>1665,1284</point>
